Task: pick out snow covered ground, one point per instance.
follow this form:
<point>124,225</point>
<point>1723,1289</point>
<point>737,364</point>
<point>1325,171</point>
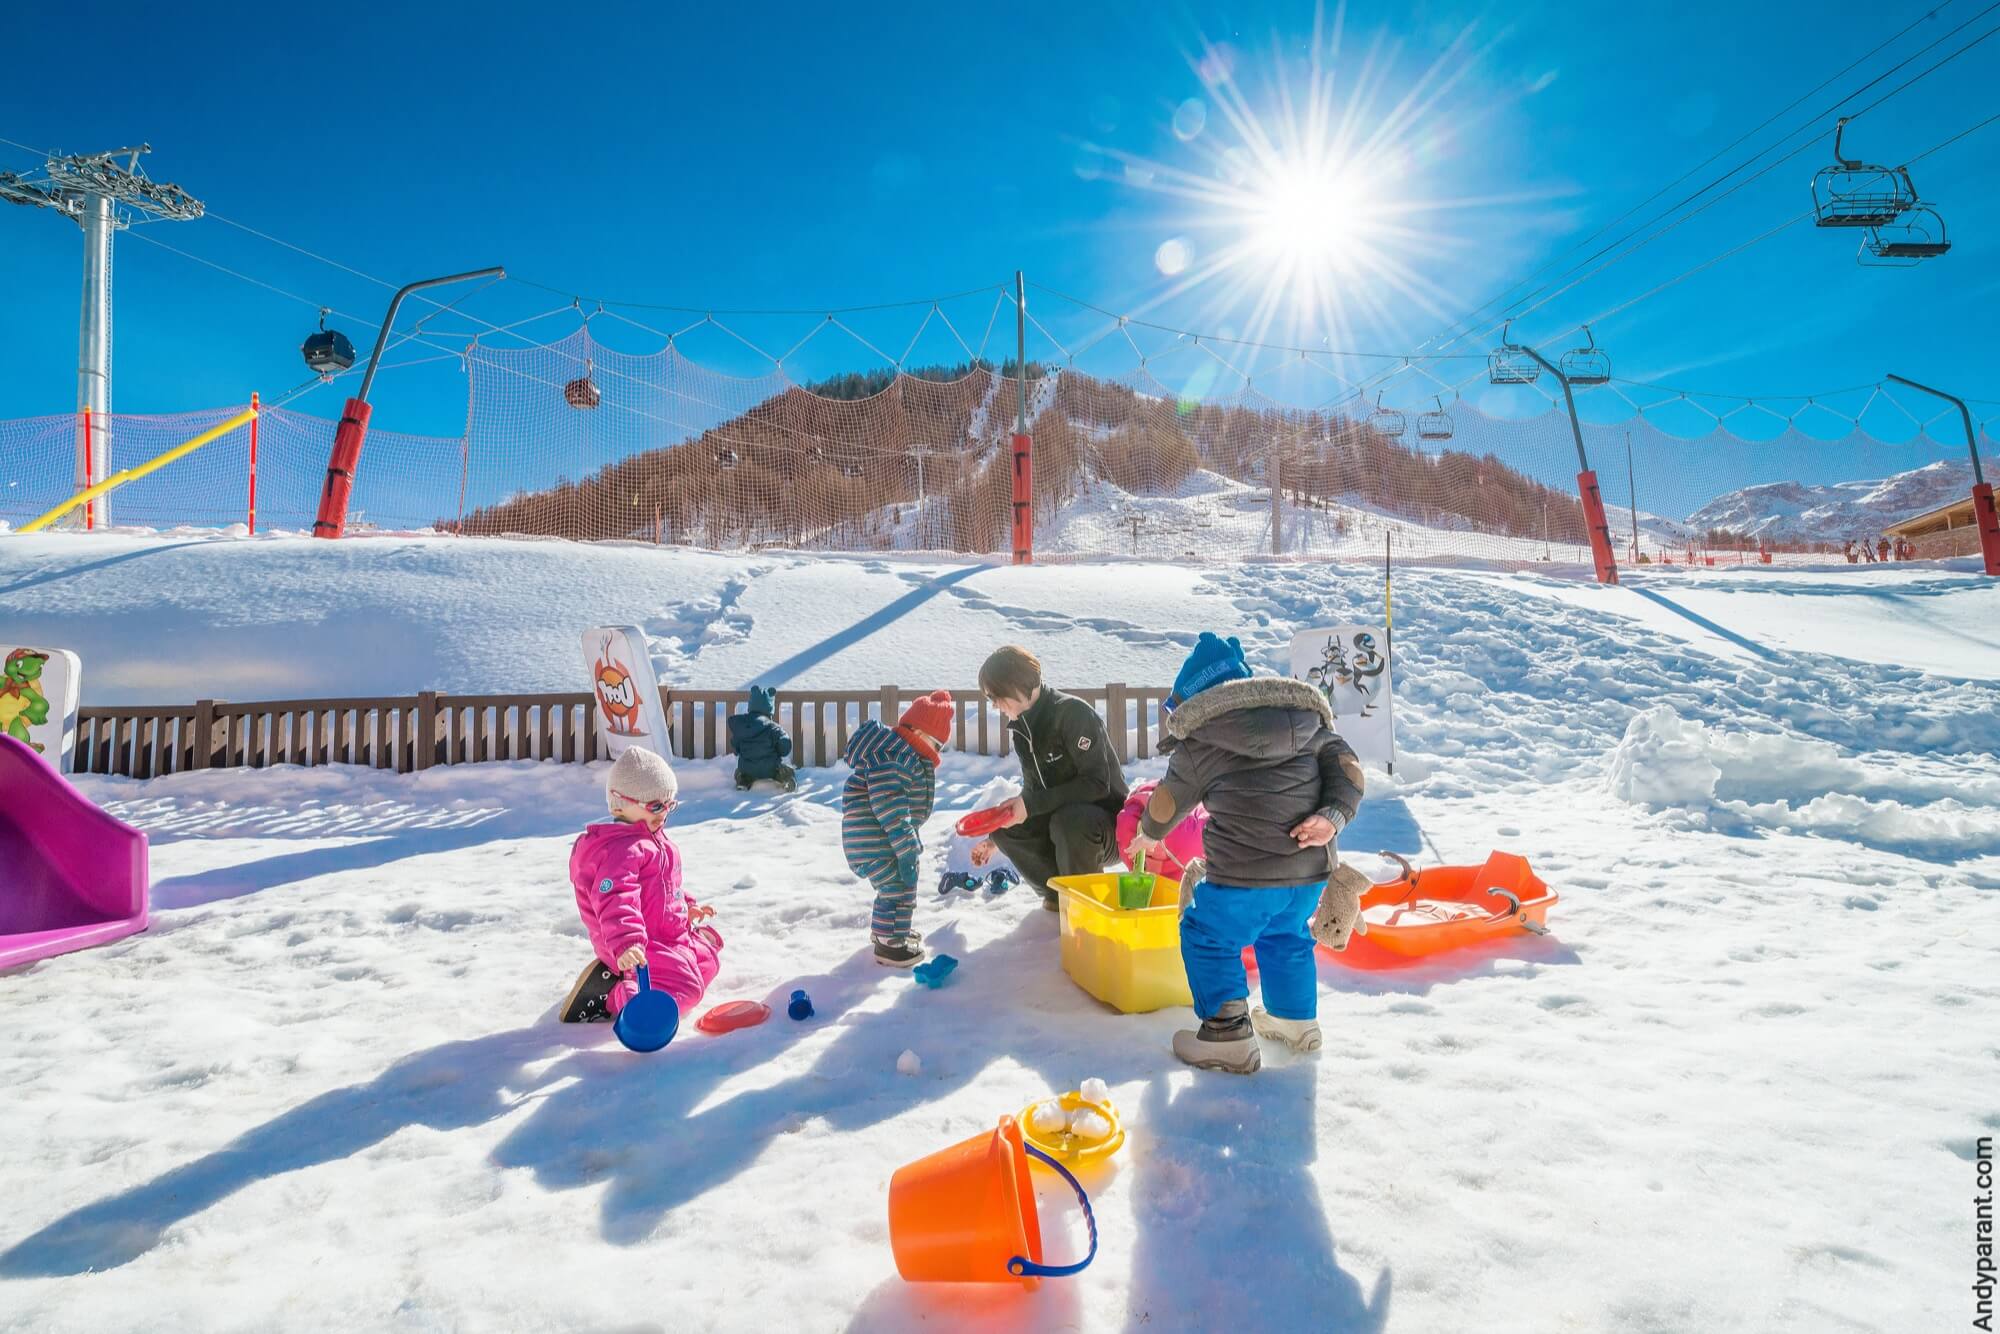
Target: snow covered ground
<point>178,617</point>
<point>1737,1090</point>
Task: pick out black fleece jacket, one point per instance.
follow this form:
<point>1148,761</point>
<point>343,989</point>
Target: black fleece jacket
<point>1066,756</point>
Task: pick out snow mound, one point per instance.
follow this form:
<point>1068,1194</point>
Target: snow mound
<point>1750,781</point>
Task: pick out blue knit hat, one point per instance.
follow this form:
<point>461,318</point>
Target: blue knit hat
<point>1212,662</point>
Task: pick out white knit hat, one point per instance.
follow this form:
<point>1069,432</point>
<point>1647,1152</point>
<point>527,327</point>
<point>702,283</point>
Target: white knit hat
<point>641,776</point>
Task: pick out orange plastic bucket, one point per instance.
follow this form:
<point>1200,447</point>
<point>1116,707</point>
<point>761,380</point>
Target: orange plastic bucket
<point>966,1214</point>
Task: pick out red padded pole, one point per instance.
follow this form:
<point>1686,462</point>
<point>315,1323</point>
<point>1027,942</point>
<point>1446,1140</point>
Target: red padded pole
<point>1989,526</point>
<point>1598,527</point>
<point>1024,500</point>
<point>332,520</point>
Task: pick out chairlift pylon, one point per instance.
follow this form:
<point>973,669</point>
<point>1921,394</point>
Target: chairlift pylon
<point>1387,422</point>
<point>1509,363</point>
<point>1852,193</point>
<point>1915,237</point>
<point>1434,425</point>
<point>1588,365</point>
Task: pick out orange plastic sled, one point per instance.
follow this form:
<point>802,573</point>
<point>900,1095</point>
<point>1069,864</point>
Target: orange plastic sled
<point>1441,908</point>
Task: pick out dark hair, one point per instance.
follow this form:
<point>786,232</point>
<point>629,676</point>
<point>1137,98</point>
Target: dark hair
<point>1010,673</point>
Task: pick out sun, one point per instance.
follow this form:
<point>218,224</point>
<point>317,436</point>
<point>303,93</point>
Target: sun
<point>1303,217</point>
<point>1312,202</point>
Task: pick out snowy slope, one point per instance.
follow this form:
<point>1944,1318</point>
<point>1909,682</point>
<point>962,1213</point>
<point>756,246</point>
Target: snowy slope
<point>1735,1092</point>
<point>173,619</point>
<point>1794,511</point>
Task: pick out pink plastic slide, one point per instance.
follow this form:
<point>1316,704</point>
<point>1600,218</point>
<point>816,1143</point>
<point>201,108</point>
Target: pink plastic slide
<point>70,875</point>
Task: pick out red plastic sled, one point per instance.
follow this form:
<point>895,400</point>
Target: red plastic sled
<point>1441,908</point>
<point>981,823</point>
<point>732,1015</point>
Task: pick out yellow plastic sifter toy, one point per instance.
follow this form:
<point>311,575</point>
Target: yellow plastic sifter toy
<point>1071,1143</point>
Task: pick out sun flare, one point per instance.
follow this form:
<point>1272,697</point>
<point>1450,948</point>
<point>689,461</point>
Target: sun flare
<point>1311,202</point>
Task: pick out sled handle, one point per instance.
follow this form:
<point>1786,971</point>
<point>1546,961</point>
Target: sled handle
<point>1022,1267</point>
<point>1514,910</point>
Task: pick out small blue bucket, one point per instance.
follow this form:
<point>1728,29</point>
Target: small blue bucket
<point>650,1019</point>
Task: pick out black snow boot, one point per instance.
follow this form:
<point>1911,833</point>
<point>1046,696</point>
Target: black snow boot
<point>900,953</point>
<point>589,999</point>
<point>1225,1041</point>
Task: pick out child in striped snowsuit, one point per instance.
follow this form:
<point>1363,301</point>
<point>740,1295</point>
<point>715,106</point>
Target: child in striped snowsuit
<point>883,806</point>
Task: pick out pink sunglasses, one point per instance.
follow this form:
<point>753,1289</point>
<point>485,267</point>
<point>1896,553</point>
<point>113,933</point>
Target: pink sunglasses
<point>652,807</point>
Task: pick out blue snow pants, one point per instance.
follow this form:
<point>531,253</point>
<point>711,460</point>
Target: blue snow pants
<point>1222,920</point>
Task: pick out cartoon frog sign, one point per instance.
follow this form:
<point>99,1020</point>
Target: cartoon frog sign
<point>22,703</point>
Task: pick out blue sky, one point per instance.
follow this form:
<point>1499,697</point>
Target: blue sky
<point>807,157</point>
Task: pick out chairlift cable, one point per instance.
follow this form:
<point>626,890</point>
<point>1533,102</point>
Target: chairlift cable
<point>1469,319</point>
<point>1760,173</point>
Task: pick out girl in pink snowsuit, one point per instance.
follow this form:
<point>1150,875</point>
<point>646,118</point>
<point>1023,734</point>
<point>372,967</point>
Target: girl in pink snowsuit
<point>626,874</point>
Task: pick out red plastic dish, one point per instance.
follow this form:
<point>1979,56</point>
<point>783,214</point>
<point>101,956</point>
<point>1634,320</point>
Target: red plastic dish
<point>981,823</point>
<point>732,1015</point>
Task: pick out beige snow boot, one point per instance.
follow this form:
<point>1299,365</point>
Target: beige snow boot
<point>1225,1041</point>
<point>1301,1035</point>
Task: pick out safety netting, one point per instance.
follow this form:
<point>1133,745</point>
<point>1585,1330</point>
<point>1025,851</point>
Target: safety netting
<point>1173,456</point>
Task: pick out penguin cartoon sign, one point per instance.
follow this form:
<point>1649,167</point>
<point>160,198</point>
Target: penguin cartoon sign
<point>630,711</point>
<point>1350,666</point>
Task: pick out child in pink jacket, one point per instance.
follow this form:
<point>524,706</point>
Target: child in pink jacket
<point>626,874</point>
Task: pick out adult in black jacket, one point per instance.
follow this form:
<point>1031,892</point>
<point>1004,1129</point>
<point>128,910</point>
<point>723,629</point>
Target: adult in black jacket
<point>1065,820</point>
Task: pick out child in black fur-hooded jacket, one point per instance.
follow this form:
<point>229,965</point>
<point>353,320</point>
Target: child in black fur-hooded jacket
<point>1279,784</point>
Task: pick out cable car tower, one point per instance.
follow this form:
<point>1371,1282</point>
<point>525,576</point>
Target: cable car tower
<point>100,194</point>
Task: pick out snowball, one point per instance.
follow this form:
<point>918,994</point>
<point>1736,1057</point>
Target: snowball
<point>1095,1090</point>
<point>909,1064</point>
<point>1086,1124</point>
<point>1663,760</point>
<point>1048,1118</point>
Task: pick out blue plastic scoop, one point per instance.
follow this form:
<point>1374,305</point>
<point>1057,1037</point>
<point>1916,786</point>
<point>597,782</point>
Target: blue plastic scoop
<point>650,1019</point>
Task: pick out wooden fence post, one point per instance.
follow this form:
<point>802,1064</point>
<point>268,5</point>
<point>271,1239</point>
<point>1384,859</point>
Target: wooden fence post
<point>204,733</point>
<point>1114,711</point>
<point>889,705</point>
<point>427,728</point>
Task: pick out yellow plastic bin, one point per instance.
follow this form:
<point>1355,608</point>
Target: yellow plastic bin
<point>1129,958</point>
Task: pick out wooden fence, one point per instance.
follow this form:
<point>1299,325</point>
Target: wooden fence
<point>411,732</point>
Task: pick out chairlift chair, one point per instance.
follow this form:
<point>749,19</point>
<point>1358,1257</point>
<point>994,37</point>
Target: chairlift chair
<point>1387,422</point>
<point>1917,236</point>
<point>582,392</point>
<point>1852,193</point>
<point>726,458</point>
<point>1434,425</point>
<point>1509,363</point>
<point>327,352</point>
<point>1588,365</point>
